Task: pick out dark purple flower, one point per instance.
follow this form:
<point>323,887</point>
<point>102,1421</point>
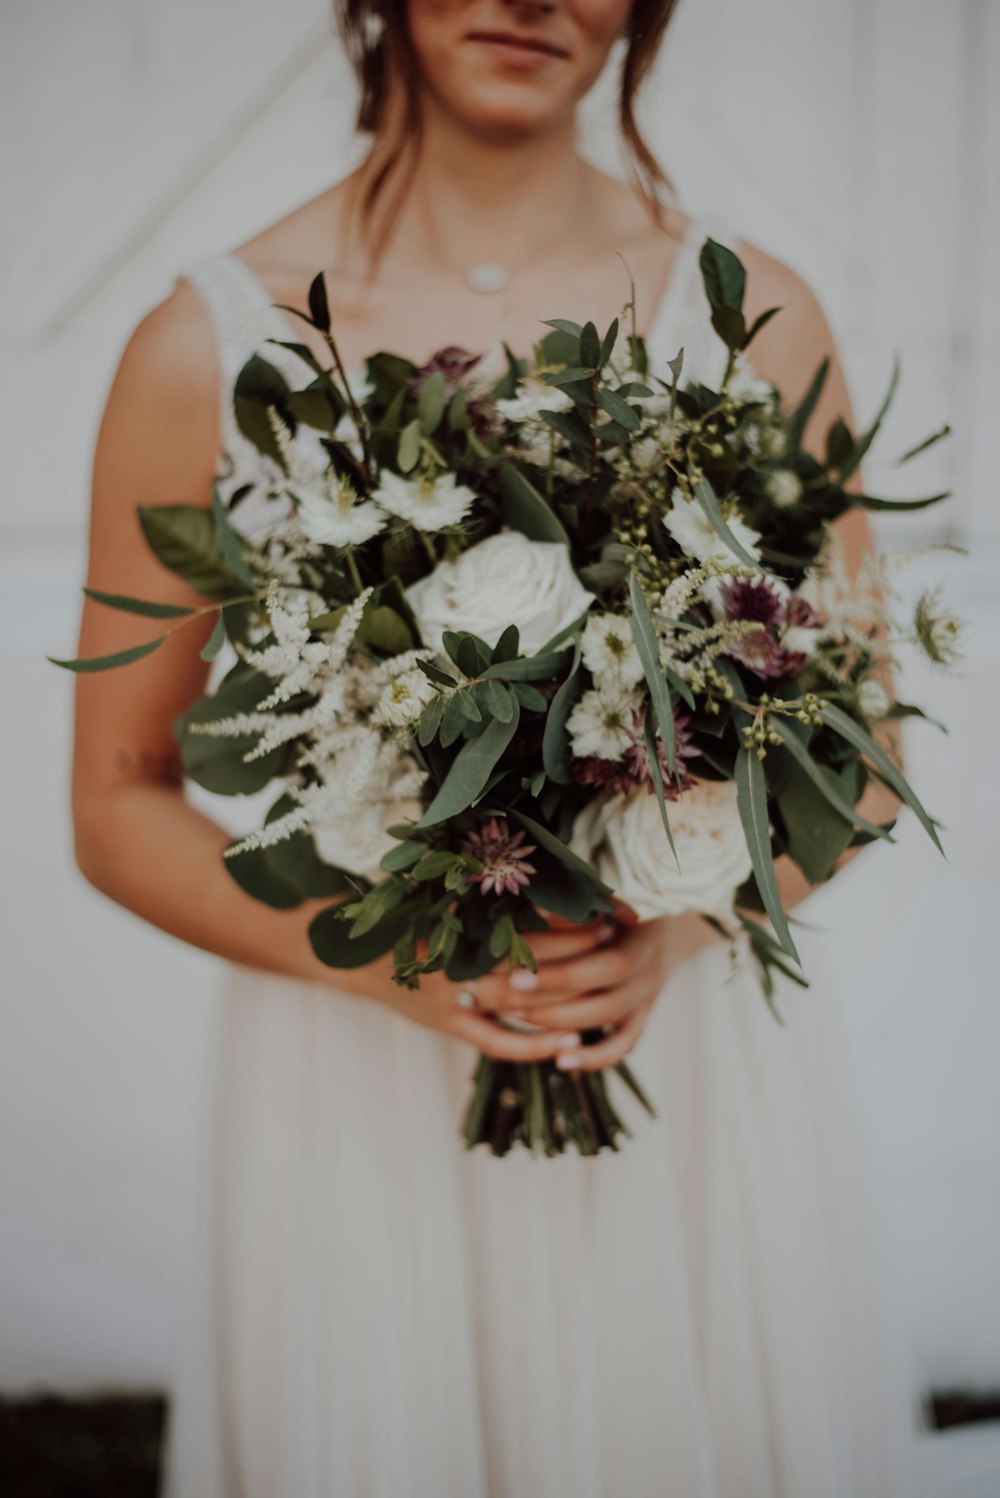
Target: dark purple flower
<point>753,598</point>
<point>503,855</point>
<point>457,365</point>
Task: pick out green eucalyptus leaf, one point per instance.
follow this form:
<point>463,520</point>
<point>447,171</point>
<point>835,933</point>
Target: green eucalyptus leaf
<point>826,782</point>
<point>230,544</point>
<point>431,402</point>
<point>109,662</point>
<point>330,936</point>
<point>730,326</point>
<point>319,306</point>
<point>469,772</point>
<point>590,346</point>
<point>751,799</point>
<point>525,510</point>
<point>556,754</point>
<point>799,419</point>
<point>216,639</point>
<point>647,644</point>
<point>620,410</point>
<point>408,451</point>
<point>706,497</point>
<point>184,538</point>
<point>848,729</point>
<point>138,605</point>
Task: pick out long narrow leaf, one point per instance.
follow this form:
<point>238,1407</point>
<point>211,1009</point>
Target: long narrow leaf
<point>656,771</point>
<point>216,639</point>
<point>648,646</point>
<point>835,718</point>
<point>826,783</point>
<point>108,662</point>
<point>751,799</point>
<point>554,845</point>
<point>138,605</point>
<point>864,443</point>
<point>705,495</point>
<point>799,419</point>
<point>526,510</point>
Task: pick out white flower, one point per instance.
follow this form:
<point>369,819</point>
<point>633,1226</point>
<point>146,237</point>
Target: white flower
<point>744,385</point>
<point>784,488</point>
<point>337,517</point>
<point>533,397</point>
<point>601,722</point>
<point>428,504</point>
<point>608,648</point>
<point>873,699</point>
<point>800,640</point>
<point>505,579</point>
<point>695,534</point>
<point>403,700</point>
<point>623,837</point>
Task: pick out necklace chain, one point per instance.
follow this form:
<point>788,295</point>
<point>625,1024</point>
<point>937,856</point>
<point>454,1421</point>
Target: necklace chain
<point>491,276</point>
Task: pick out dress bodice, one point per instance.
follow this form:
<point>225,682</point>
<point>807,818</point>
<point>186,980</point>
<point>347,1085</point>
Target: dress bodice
<point>244,317</point>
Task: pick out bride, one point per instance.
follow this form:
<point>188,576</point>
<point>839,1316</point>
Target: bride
<point>373,1312</point>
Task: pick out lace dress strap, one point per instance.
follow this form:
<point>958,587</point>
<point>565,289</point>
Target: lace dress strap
<point>242,319</point>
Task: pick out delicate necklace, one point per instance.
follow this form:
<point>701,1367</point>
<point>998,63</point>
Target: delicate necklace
<point>492,275</point>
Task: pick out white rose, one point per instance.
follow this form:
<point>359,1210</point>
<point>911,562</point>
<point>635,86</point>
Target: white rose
<point>623,837</point>
<point>506,579</point>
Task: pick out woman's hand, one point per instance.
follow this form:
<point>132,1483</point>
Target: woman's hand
<point>614,981</point>
<point>456,1008</point>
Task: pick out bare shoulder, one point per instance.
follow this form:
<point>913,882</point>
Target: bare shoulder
<point>160,421</point>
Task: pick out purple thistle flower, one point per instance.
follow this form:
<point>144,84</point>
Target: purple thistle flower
<point>503,855</point>
<point>637,755</point>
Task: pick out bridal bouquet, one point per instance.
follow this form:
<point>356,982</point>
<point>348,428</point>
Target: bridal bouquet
<point>523,639</point>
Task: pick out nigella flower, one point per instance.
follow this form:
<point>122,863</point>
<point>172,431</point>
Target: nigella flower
<point>503,855</point>
<point>429,504</point>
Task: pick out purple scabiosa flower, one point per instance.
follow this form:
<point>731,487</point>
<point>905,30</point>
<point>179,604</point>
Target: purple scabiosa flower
<point>637,765</point>
<point>460,371</point>
<point>503,855</point>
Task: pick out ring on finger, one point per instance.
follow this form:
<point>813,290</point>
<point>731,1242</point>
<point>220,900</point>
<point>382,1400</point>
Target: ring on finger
<point>466,998</point>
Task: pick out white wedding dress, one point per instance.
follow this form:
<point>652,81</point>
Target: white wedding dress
<point>375,1312</point>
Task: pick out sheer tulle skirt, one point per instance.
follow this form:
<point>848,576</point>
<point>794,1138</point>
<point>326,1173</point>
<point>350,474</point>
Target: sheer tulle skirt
<point>376,1313</point>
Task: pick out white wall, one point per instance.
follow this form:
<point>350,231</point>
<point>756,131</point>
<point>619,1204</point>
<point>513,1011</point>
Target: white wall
<point>855,142</point>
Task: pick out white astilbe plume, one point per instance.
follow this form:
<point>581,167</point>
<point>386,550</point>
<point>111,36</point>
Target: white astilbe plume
<point>298,662</point>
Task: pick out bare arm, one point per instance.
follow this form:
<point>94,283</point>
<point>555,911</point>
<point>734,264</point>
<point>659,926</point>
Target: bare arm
<point>136,837</point>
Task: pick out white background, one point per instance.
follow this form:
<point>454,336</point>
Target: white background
<point>860,143</point>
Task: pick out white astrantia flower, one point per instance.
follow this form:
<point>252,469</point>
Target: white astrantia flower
<point>873,699</point>
<point>695,534</point>
<point>429,504</point>
<point>533,397</point>
<point>601,723</point>
<point>622,836</point>
<point>337,517</point>
<point>608,648</point>
<point>503,580</point>
<point>784,488</point>
<point>403,700</point>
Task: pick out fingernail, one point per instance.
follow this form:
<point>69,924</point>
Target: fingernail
<point>524,979</point>
<point>567,1061</point>
<point>516,1013</point>
<point>607,933</point>
<point>569,1040</point>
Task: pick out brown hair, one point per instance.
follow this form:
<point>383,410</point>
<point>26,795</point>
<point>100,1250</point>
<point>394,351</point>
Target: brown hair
<point>377,41</point>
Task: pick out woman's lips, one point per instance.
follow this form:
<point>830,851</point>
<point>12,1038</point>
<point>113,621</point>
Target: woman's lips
<point>525,52</point>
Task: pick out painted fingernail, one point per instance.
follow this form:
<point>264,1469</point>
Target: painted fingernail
<point>567,1061</point>
<point>569,1040</point>
<point>607,933</point>
<point>516,1013</point>
<point>524,980</point>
